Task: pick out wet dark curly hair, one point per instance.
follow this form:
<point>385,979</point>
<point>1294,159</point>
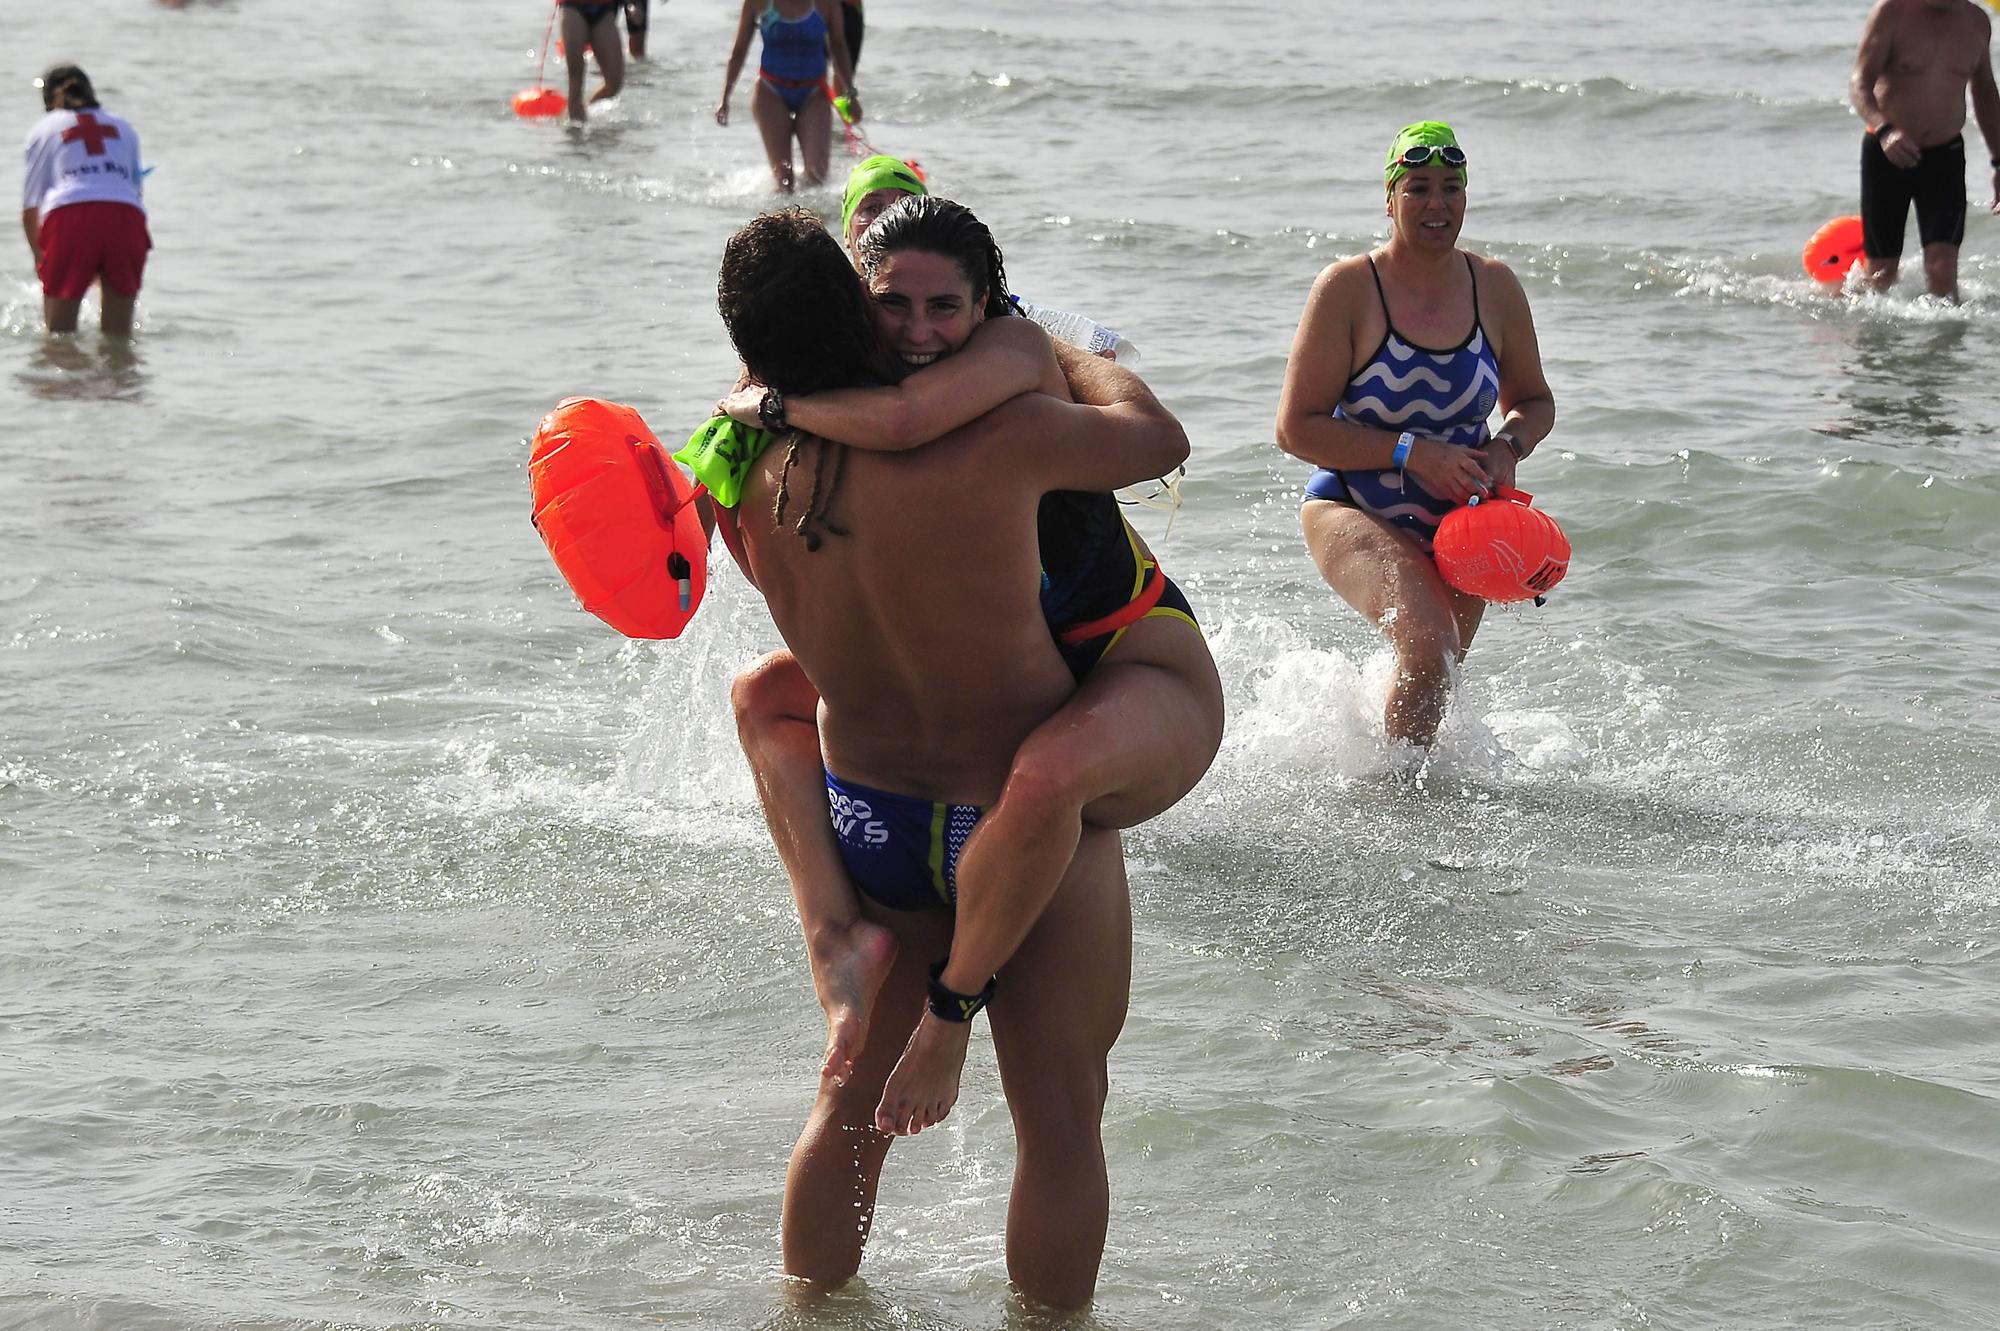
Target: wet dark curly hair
<point>799,317</point>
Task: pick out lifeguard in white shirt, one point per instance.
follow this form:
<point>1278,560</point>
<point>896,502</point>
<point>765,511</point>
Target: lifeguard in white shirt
<point>83,205</point>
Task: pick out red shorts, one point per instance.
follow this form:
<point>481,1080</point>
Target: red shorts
<point>83,241</point>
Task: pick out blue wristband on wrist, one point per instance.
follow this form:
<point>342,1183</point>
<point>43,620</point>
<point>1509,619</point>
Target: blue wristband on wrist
<point>1402,454</point>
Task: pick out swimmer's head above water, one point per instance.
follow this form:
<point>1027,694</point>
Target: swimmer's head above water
<point>872,186</point>
<point>1427,143</point>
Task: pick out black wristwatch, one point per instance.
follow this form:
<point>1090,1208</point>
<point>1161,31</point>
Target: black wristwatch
<point>1513,445</point>
<point>771,411</point>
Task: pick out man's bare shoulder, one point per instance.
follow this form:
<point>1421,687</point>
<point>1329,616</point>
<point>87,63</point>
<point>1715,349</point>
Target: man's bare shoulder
<point>1019,419</point>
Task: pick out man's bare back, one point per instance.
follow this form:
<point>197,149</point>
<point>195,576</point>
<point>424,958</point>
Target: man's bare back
<point>920,628</point>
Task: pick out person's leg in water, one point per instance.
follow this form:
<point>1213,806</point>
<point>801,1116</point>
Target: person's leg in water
<point>814,127</point>
<point>774,124</point>
<point>115,317</point>
<point>837,1163</point>
<point>1057,1011</point>
<point>610,54</point>
<point>1396,586</point>
<point>1941,206</point>
<point>637,19</point>
<point>1134,739</point>
<point>1886,194</point>
<point>1941,270</point>
<point>777,723</point>
<point>576,57</point>
<point>60,315</point>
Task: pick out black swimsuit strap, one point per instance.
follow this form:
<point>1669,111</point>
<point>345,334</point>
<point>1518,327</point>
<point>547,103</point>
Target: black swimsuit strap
<point>1383,296</point>
<point>1380,294</point>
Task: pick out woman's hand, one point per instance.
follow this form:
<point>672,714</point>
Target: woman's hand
<point>722,112</point>
<point>1500,464</point>
<point>1448,471</point>
<point>742,405</point>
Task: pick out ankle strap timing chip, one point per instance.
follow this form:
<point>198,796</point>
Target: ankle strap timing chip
<point>951,1005</point>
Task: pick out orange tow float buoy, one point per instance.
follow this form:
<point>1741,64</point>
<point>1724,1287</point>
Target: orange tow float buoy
<point>618,517</point>
<point>1833,250</point>
<point>539,103</point>
<point>1501,549</point>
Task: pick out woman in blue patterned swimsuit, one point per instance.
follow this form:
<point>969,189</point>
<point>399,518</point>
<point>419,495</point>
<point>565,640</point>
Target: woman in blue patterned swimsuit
<point>1400,358</point>
<point>803,39</point>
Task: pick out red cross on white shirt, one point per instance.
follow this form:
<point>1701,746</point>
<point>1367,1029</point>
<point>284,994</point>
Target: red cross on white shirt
<point>92,133</point>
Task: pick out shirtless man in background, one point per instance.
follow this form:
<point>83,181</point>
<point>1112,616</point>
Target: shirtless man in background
<point>1916,61</point>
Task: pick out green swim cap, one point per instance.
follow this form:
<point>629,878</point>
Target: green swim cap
<point>720,454</point>
<point>883,172</point>
<point>1423,134</point>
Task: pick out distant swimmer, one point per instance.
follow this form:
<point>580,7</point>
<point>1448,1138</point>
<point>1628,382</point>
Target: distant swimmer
<point>1917,59</point>
<point>594,27</point>
<point>803,39</point>
<point>83,207</point>
<point>637,19</point>
<point>1399,359</point>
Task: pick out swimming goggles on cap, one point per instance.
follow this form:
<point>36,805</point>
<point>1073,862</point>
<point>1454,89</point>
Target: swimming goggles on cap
<point>1449,154</point>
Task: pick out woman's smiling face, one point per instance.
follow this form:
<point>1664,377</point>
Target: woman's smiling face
<point>1428,206</point>
<point>925,305</point>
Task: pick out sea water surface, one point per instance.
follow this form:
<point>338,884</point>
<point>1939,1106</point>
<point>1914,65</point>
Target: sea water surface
<point>386,944</point>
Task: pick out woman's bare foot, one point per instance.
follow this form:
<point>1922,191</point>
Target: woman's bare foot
<point>924,1086</point>
<point>848,967</point>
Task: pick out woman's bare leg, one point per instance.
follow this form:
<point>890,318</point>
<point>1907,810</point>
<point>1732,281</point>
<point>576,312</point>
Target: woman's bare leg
<point>576,54</point>
<point>774,123</point>
<point>814,129</point>
<point>610,57</point>
<point>1385,576</point>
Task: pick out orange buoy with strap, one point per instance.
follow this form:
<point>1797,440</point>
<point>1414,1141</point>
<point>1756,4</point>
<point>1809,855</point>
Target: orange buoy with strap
<point>1833,250</point>
<point>618,517</point>
<point>539,103</point>
<point>1501,549</point>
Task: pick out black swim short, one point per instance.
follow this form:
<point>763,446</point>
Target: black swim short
<point>592,14</point>
<point>1936,184</point>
